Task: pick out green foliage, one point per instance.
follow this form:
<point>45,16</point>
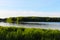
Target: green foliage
<point>36,19</point>
<point>17,20</point>
<point>12,33</point>
<point>9,20</point>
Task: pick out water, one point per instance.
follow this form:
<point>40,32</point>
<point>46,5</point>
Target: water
<point>43,25</point>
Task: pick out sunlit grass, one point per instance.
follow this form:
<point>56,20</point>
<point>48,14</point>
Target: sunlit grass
<point>20,33</point>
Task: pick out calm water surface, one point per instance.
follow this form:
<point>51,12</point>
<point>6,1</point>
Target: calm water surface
<point>44,25</point>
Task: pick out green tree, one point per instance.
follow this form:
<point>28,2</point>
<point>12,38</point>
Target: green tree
<point>9,20</point>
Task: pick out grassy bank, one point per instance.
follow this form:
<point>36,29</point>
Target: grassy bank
<point>13,33</point>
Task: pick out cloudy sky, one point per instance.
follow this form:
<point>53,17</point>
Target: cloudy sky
<point>44,8</point>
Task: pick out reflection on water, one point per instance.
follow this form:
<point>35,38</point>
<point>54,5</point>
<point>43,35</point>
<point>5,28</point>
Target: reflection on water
<point>45,25</point>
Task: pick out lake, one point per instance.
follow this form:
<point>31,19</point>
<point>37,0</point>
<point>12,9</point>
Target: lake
<point>43,25</point>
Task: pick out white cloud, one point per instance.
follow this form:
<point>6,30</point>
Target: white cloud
<point>14,13</point>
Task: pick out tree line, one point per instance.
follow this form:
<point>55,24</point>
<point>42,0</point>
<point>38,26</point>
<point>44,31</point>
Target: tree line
<point>30,19</point>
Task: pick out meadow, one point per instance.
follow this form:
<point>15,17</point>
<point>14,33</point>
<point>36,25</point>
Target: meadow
<point>15,33</point>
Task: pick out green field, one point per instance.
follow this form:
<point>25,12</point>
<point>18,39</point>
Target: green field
<point>13,33</point>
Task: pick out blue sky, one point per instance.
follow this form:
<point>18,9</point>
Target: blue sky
<point>29,8</point>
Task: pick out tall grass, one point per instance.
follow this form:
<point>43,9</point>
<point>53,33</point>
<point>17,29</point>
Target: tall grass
<point>13,33</point>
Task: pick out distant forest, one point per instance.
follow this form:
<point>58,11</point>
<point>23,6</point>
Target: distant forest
<point>30,19</point>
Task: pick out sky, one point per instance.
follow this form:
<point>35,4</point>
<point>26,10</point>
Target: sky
<point>42,8</point>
